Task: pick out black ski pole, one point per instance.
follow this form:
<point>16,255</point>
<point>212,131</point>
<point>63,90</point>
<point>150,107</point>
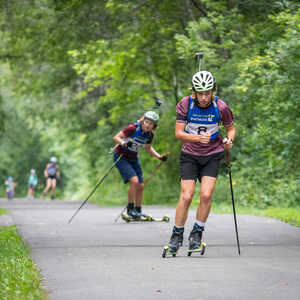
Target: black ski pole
<point>96,186</point>
<point>232,198</point>
<point>156,169</point>
<point>117,218</point>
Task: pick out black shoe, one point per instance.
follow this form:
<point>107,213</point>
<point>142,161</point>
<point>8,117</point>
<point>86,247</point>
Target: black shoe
<point>132,213</point>
<point>195,237</point>
<point>176,239</point>
<point>140,215</point>
<point>138,210</point>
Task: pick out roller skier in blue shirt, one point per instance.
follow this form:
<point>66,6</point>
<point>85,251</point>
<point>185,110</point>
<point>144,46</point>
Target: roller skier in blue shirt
<point>130,140</point>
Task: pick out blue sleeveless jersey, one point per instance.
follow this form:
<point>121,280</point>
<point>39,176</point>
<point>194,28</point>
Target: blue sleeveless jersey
<point>138,139</point>
<point>201,120</point>
<point>52,170</point>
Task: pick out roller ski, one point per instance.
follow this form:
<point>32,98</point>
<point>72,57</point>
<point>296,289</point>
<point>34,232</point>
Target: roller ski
<point>134,214</point>
<point>143,218</point>
<point>129,218</point>
<point>175,243</point>
<point>149,218</point>
<point>195,241</point>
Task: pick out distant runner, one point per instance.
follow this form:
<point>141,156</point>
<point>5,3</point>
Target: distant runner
<point>32,183</point>
<point>10,188</point>
<point>130,140</point>
<point>52,174</point>
<point>197,127</point>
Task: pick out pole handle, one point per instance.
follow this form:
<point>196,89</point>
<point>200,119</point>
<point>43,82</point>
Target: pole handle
<point>198,60</point>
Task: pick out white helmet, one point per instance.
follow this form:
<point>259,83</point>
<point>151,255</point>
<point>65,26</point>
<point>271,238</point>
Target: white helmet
<point>32,171</point>
<point>203,81</point>
<point>53,159</point>
<point>152,115</point>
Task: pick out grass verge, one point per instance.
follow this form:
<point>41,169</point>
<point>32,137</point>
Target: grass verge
<point>3,211</point>
<point>287,215</point>
<point>19,278</point>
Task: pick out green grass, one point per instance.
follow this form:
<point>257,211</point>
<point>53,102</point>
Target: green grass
<point>19,278</point>
<point>3,211</point>
<point>287,215</point>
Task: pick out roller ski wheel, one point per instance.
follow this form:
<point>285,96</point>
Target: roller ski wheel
<point>169,251</point>
<point>146,217</point>
<point>200,249</point>
<point>166,219</point>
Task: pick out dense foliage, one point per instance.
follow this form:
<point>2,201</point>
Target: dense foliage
<point>75,72</point>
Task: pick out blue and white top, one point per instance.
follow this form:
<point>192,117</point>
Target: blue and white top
<point>201,120</point>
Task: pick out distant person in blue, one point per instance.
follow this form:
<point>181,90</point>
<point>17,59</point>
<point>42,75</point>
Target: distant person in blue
<point>10,188</point>
<point>32,183</point>
<point>52,174</point>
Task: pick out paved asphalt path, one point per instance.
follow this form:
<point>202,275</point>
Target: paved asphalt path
<point>95,258</point>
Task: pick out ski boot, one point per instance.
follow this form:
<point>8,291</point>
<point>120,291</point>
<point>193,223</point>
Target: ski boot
<point>195,240</point>
<point>131,214</point>
<point>175,242</point>
<point>140,215</point>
